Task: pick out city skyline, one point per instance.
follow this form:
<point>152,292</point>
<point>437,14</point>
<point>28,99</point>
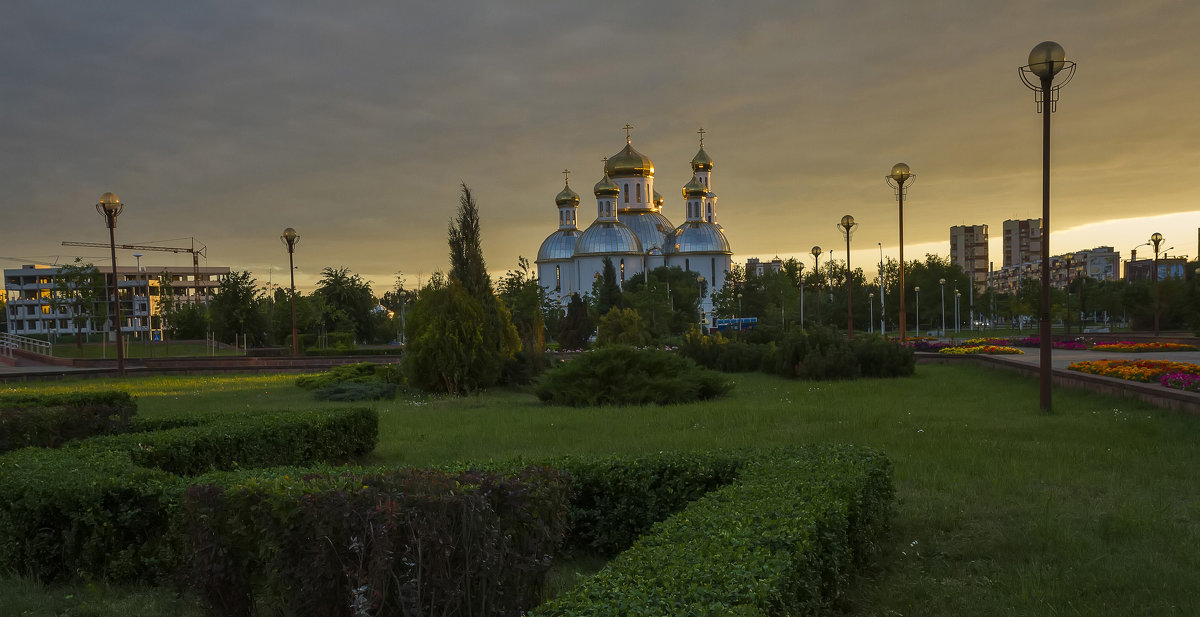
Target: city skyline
<point>356,125</point>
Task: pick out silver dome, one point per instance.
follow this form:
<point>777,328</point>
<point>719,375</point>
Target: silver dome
<point>700,237</point>
<point>608,238</point>
<point>559,245</point>
<point>651,227</point>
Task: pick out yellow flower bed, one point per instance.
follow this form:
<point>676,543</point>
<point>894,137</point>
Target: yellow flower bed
<point>1134,370</point>
<point>1126,346</point>
<point>992,350</point>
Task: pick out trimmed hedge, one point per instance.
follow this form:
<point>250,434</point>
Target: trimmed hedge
<point>783,540</point>
<point>622,375</point>
<point>102,508</point>
<point>396,542</point>
<point>617,499</point>
<point>51,420</point>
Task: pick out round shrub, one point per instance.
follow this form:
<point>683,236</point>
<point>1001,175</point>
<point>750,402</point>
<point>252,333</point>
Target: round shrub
<point>622,375</point>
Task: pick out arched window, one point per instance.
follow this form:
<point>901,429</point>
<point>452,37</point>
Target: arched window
<point>710,214</point>
<point>687,265</point>
<point>557,278</point>
<point>639,193</point>
<point>622,270</point>
<point>626,192</point>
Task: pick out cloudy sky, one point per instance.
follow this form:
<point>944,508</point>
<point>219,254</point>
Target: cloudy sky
<point>355,123</point>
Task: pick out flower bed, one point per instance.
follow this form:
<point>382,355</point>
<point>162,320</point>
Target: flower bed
<point>1182,381</point>
<point>992,350</point>
<point>1132,347</point>
<point>926,344</point>
<point>1134,370</point>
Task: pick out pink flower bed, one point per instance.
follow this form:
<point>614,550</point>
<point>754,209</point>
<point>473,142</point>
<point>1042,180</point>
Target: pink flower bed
<point>1182,381</point>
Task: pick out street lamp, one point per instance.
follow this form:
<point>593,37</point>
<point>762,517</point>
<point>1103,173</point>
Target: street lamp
<point>290,239</point>
<point>871,309</point>
<point>816,253</point>
<point>739,319</point>
<point>847,226</point>
<point>942,282</point>
<point>900,175</point>
<point>918,290</point>
<point>957,319</point>
<point>882,296</point>
<point>1156,240</point>
<point>110,208</point>
<point>1068,259</point>
<point>1046,60</point>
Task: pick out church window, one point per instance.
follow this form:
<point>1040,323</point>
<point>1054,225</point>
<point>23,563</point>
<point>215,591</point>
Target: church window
<point>639,193</point>
<point>687,265</point>
<point>626,192</point>
<point>557,278</point>
<point>622,270</point>
<point>710,217</point>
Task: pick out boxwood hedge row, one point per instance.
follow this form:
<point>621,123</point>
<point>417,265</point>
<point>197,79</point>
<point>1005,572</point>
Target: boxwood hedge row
<point>52,420</point>
<point>379,542</point>
<point>782,540</point>
<point>103,507</point>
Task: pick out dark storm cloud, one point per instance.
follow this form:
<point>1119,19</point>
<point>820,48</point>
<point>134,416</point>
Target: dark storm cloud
<point>355,123</point>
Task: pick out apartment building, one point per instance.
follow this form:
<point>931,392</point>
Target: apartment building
<point>32,293</point>
<point>969,250</point>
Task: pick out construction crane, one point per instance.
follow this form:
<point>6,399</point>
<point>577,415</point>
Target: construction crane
<point>196,255</point>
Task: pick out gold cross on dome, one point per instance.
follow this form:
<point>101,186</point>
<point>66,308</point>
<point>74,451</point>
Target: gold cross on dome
<point>566,176</point>
<point>702,132</point>
<point>628,127</point>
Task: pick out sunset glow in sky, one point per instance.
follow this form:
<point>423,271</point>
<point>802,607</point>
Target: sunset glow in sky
<point>355,123</point>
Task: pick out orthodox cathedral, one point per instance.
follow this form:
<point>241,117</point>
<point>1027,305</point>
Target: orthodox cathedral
<point>631,230</point>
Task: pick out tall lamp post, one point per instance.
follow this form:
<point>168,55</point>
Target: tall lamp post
<point>918,290</point>
<point>871,309</point>
<point>1046,60</point>
<point>290,239</point>
<point>1156,241</point>
<point>110,208</point>
<point>882,296</point>
<point>816,253</point>
<point>900,175</point>
<point>1068,260</point>
<point>942,282</point>
<point>847,225</point>
<point>957,319</point>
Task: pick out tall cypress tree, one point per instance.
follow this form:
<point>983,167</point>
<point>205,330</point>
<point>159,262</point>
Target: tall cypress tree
<point>466,251</point>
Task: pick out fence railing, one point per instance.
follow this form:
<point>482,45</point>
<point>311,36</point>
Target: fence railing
<point>12,342</point>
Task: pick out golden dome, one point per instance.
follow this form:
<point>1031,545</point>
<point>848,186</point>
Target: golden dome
<point>658,200</point>
<point>606,187</point>
<point>629,162</point>
<point>567,197</point>
<point>695,188</point>
<point>702,161</point>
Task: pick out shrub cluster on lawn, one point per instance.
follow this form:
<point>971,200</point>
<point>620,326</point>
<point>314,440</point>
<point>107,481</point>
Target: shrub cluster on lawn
<point>784,539</point>
<point>52,420</point>
<point>622,375</point>
<point>816,353</point>
<point>364,381</point>
<point>104,508</point>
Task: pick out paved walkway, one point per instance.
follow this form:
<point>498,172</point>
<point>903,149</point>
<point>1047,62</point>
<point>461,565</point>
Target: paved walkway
<point>1060,358</point>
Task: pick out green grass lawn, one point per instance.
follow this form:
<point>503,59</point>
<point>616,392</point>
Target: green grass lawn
<point>1001,510</point>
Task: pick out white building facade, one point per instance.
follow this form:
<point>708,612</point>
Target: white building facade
<point>631,230</point>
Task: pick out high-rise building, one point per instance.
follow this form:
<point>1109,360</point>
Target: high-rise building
<point>969,250</point>
<point>1022,241</point>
